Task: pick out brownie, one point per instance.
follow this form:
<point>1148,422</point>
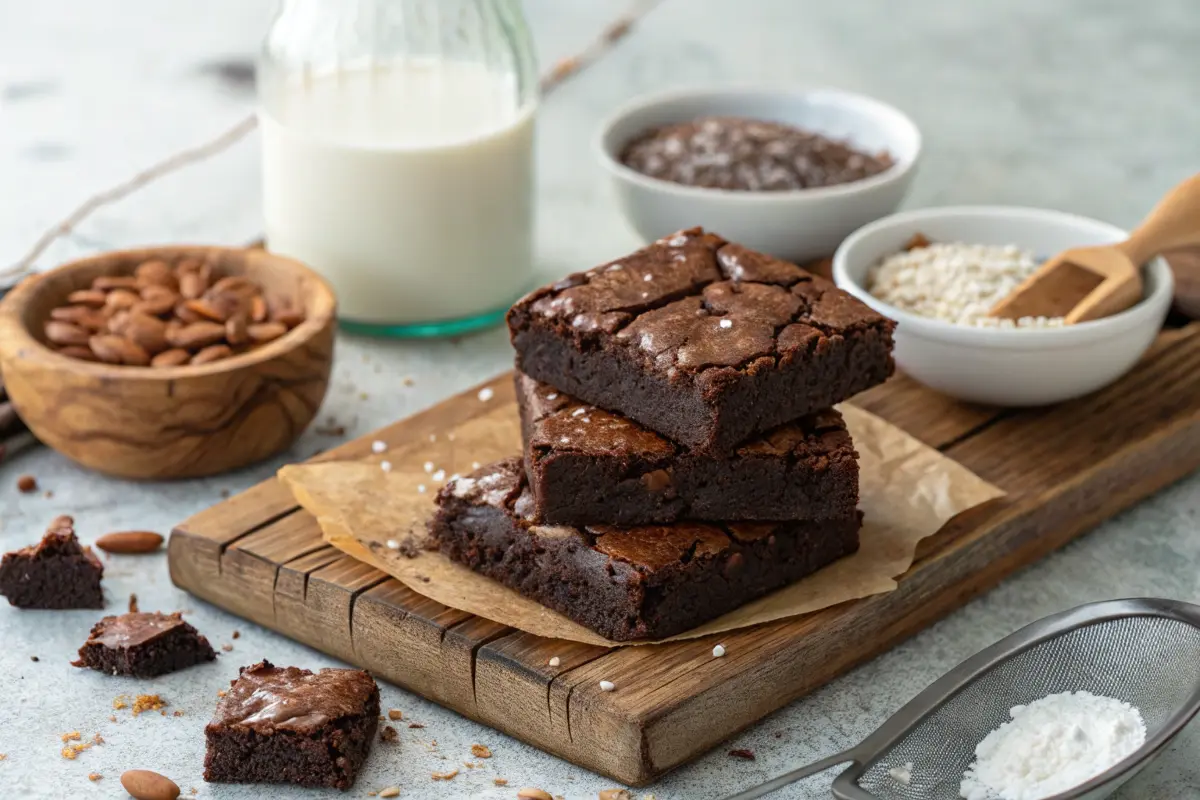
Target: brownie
<point>144,645</point>
<point>587,466</point>
<point>645,582</point>
<point>700,340</point>
<point>290,725</point>
<point>57,572</point>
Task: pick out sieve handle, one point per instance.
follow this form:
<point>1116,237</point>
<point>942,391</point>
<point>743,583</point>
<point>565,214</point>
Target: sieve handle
<point>795,775</point>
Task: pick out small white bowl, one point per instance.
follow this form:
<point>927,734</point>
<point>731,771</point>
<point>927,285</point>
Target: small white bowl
<point>1007,367</point>
<point>798,225</point>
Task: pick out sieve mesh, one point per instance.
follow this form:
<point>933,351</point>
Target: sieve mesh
<point>1147,661</point>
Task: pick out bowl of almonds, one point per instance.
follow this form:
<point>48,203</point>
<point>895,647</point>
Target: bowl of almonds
<point>169,362</point>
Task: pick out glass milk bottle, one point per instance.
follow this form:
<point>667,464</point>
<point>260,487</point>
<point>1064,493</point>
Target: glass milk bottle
<point>397,141</point>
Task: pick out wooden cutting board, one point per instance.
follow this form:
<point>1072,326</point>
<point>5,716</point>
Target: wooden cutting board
<point>1065,468</point>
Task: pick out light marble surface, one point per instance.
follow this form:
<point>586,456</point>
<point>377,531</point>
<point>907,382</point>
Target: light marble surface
<point>1084,105</point>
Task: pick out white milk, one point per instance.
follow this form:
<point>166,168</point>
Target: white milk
<point>408,184</point>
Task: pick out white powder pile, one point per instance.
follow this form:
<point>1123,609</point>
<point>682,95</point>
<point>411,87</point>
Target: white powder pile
<point>1052,745</point>
<point>956,282</point>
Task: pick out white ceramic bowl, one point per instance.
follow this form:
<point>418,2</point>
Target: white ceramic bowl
<point>1007,367</point>
<point>796,225</point>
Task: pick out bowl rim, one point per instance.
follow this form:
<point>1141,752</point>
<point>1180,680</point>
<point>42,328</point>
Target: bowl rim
<point>1145,310</point>
<point>16,338</point>
<point>898,171</point>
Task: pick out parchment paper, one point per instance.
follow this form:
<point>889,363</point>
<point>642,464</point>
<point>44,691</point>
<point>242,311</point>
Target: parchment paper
<point>908,491</point>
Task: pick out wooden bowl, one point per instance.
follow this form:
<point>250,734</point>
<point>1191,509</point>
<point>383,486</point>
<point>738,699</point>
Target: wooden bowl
<point>175,422</point>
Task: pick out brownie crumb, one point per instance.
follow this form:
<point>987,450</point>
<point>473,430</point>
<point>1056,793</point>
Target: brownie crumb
<point>746,755</point>
<point>72,751</point>
<point>133,604</point>
<point>176,713</point>
<point>391,791</point>
<point>112,717</point>
<point>415,725</point>
<point>395,714</point>
<point>27,484</point>
<point>148,702</point>
<point>480,751</point>
<point>500,781</point>
<point>121,701</point>
<point>71,736</point>
<point>445,776</point>
<point>237,634</point>
<point>94,776</point>
<point>35,659</point>
<point>389,735</point>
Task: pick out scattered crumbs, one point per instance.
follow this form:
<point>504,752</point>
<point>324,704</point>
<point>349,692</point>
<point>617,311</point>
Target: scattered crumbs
<point>415,725</point>
<point>718,651</point>
<point>445,776</point>
<point>745,755</point>
<point>485,394</point>
<point>148,702</point>
<point>72,751</point>
<point>726,323</point>
<point>97,739</point>
<point>480,751</point>
<point>193,790</point>
<point>388,735</point>
<point>133,604</point>
<point>554,662</point>
<point>395,714</point>
<point>469,764</point>
<point>73,736</point>
<point>3,756</point>
<point>176,713</point>
<point>94,776</point>
<point>500,781</point>
<point>34,659</point>
<point>221,692</point>
<point>227,647</point>
<point>607,686</point>
<point>428,467</point>
<point>112,717</point>
<point>408,381</point>
<point>440,475</point>
<point>902,774</point>
<point>120,701</point>
<point>378,446</point>
<point>386,466</point>
<point>421,488</point>
<point>237,634</point>
<point>475,465</point>
<point>391,791</point>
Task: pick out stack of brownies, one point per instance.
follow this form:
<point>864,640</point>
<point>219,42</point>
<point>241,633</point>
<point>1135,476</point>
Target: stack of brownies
<point>681,453</point>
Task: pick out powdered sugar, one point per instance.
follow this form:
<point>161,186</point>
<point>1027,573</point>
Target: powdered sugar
<point>1052,745</point>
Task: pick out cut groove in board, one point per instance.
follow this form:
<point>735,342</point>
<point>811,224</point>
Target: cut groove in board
<point>1066,469</point>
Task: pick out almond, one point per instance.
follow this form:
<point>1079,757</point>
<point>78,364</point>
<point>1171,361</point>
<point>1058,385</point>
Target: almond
<point>142,784</point>
<point>157,300</point>
<point>130,542</point>
<point>192,285</point>
<point>212,353</point>
<point>60,332</point>
<point>530,793</point>
<point>119,299</point>
<point>266,331</point>
<point>118,322</point>
<point>237,331</point>
<point>149,333</point>
<point>107,283</point>
<point>288,316</point>
<point>87,297</point>
<point>155,272</point>
<point>185,314</point>
<point>83,316</point>
<point>76,351</point>
<point>197,335</point>
<point>236,284</point>
<point>258,309</point>
<point>615,794</point>
<point>114,349</point>
<point>206,309</point>
<point>171,358</point>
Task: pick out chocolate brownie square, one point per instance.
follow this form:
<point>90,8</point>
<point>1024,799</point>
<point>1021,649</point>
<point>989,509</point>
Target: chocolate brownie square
<point>587,466</point>
<point>700,340</point>
<point>57,572</point>
<point>144,645</point>
<point>290,725</point>
<point>644,582</point>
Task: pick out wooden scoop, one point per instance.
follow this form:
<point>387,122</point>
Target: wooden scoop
<point>1093,282</point>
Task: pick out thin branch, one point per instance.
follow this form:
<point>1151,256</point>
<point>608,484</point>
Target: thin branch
<point>561,72</point>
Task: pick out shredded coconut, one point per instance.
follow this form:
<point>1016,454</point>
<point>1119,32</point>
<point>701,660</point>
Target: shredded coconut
<point>1052,745</point>
<point>956,282</point>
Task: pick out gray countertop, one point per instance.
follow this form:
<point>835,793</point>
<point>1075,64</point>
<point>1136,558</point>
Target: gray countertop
<point>1085,105</point>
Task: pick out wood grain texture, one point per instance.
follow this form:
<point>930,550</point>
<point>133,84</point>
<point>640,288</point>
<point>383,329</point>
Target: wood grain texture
<point>1066,469</point>
<point>180,422</point>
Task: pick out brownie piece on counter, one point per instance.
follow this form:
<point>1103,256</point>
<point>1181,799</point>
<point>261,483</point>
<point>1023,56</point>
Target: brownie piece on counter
<point>587,466</point>
<point>144,645</point>
<point>57,572</point>
<point>291,725</point>
<point>644,582</point>
<point>703,341</point>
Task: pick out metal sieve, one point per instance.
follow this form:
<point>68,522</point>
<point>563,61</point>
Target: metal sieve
<point>1145,652</point>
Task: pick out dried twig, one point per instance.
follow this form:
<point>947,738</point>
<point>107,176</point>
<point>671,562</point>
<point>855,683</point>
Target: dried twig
<point>555,77</point>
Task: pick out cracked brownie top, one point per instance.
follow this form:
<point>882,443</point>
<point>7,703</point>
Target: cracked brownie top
<point>693,301</point>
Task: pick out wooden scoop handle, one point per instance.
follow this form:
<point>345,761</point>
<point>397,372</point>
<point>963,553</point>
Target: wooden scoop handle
<point>1172,225</point>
